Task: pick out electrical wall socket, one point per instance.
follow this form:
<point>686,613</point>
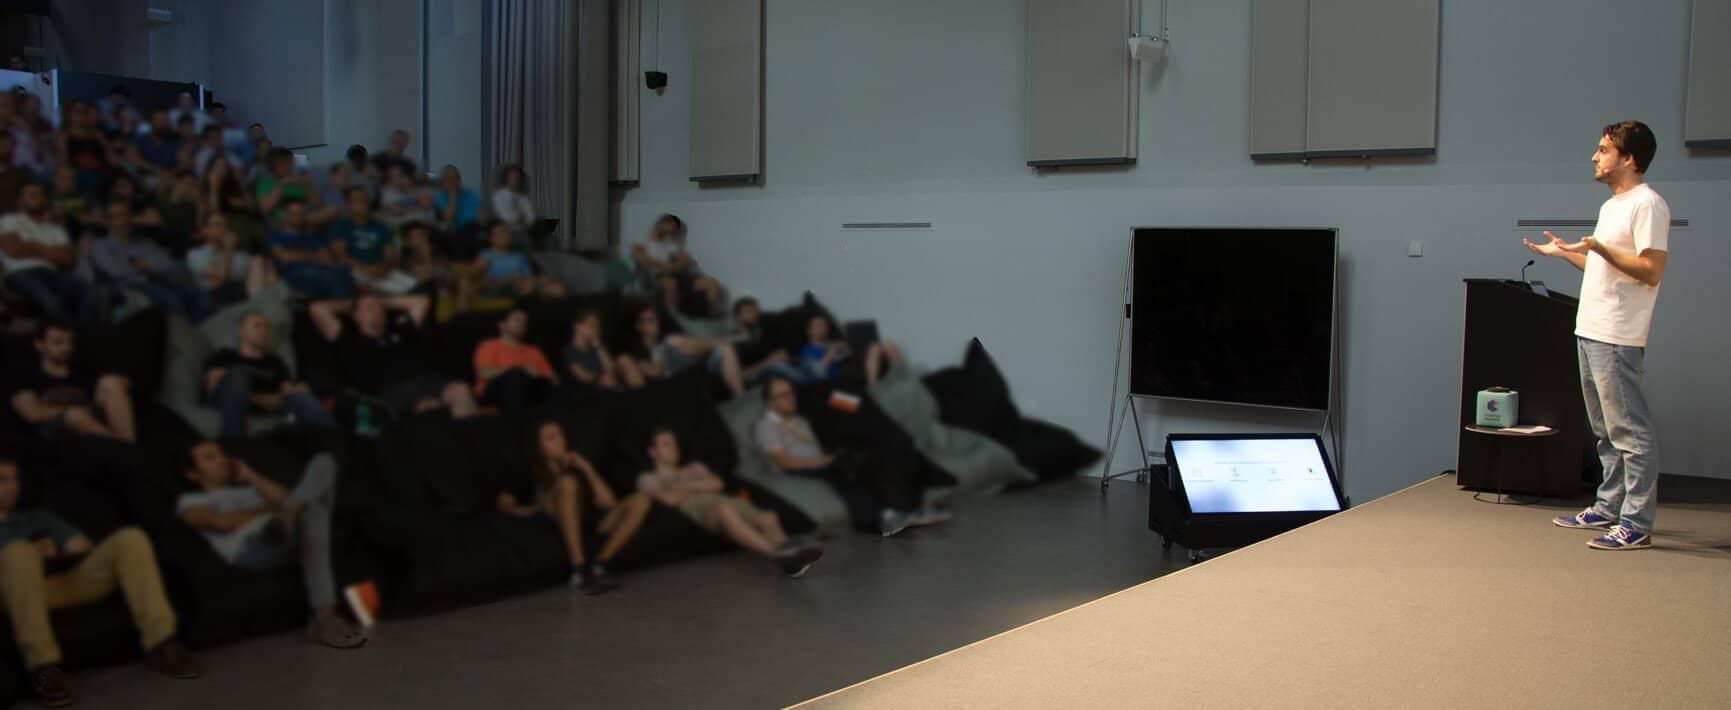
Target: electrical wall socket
<point>1415,248</point>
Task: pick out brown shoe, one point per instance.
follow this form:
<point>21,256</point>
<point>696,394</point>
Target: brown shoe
<point>171,658</point>
<point>48,686</point>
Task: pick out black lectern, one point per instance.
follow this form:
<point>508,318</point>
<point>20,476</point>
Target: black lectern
<point>1520,339</point>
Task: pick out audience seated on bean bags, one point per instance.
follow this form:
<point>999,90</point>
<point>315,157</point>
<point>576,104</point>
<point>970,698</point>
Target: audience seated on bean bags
<point>160,435</point>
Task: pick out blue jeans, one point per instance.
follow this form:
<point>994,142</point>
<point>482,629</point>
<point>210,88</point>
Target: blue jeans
<point>317,281</point>
<point>1617,411</point>
<point>60,295</point>
<point>182,298</point>
<point>233,397</point>
<point>316,494</point>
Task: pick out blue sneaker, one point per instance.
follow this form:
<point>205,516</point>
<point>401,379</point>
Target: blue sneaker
<point>1621,537</point>
<point>1588,518</point>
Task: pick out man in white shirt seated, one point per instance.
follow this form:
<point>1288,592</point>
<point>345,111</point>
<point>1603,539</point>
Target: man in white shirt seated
<point>38,258</point>
<point>790,445</point>
<point>511,203</point>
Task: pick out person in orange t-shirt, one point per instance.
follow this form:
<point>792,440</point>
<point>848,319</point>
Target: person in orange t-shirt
<point>510,373</point>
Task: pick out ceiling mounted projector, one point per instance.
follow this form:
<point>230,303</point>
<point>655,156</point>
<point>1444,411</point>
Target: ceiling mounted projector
<point>1147,48</point>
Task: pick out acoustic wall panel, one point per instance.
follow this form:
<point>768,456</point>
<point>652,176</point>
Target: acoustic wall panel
<point>1372,77</point>
<point>1707,112</point>
<point>1279,65</point>
<point>1082,83</point>
<point>627,88</point>
<point>726,89</point>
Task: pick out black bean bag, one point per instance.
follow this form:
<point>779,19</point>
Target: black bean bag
<point>867,429</point>
<point>976,397</point>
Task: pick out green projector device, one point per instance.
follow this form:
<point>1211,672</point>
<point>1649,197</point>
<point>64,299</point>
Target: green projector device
<point>1499,407</point>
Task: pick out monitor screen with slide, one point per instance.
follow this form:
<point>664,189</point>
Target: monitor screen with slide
<point>1254,474</point>
<point>1233,315</point>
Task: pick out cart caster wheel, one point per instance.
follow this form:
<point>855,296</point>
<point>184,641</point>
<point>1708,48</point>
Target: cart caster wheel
<point>1104,482</point>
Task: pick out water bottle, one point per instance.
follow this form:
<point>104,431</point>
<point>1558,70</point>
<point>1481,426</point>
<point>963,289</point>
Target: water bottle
<point>364,419</point>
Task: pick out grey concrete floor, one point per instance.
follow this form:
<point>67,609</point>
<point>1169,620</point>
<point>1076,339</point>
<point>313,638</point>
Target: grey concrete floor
<point>724,631</point>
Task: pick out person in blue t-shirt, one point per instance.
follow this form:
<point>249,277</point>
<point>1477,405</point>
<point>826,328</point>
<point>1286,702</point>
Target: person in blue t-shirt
<point>457,206</point>
<point>500,271</point>
<point>821,356</point>
<point>366,245</point>
<point>304,259</point>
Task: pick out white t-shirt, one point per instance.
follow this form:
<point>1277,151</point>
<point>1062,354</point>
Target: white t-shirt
<point>513,206</point>
<point>33,232</point>
<point>662,250</point>
<point>228,545</point>
<point>197,259</point>
<point>1615,308</point>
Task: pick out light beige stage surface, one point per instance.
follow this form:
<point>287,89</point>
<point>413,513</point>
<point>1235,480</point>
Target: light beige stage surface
<point>1424,598</point>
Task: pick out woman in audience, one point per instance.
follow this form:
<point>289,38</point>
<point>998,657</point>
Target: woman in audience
<point>220,191</point>
<point>821,357</point>
<point>586,357</point>
<point>657,357</point>
<point>696,492</point>
<point>501,271</point>
<point>511,203</point>
<point>566,487</point>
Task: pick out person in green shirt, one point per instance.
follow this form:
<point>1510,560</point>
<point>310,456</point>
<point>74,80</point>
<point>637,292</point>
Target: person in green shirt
<point>281,183</point>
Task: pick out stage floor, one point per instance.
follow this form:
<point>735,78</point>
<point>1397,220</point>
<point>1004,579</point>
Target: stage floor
<point>1421,598</point>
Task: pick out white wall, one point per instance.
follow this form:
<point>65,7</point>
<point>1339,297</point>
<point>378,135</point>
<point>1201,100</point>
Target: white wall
<point>267,65</point>
<point>454,88</point>
<point>907,109</point>
<point>372,75</point>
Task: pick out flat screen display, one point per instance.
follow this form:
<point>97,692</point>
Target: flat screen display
<point>1254,475</point>
<point>1233,315</point>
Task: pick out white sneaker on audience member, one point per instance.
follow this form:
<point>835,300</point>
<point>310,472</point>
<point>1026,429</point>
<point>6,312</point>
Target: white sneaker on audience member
<point>930,515</point>
<point>892,521</point>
